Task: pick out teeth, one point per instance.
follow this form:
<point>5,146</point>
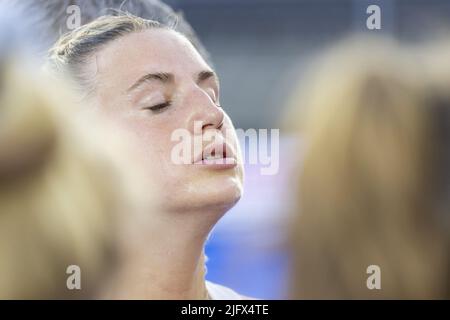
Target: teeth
<point>211,157</point>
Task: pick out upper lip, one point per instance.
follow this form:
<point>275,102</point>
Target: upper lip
<point>221,147</point>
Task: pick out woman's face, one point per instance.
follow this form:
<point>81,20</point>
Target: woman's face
<point>154,84</point>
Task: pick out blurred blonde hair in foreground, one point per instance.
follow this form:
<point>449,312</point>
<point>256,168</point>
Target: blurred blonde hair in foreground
<point>374,183</point>
<point>59,192</point>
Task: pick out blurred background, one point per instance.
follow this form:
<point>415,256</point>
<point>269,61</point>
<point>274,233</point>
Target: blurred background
<point>259,48</point>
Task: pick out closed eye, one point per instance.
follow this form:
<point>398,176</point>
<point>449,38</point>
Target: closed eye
<point>159,107</point>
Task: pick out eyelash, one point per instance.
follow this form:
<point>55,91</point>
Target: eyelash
<point>159,107</point>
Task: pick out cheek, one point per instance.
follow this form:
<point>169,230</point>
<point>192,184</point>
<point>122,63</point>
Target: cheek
<point>153,140</point>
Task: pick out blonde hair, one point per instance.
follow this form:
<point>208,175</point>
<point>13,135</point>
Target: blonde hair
<point>58,199</point>
<point>370,189</point>
<point>51,17</point>
<point>70,53</point>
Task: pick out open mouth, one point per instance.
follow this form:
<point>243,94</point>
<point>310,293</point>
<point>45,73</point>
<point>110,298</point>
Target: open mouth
<point>217,154</point>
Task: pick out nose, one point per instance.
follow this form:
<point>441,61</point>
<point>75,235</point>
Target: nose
<point>203,111</point>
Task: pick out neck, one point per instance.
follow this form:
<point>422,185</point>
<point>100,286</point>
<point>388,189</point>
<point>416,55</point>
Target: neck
<point>163,259</point>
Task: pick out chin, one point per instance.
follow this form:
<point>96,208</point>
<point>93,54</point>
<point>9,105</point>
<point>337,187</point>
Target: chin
<point>224,193</point>
<point>216,195</point>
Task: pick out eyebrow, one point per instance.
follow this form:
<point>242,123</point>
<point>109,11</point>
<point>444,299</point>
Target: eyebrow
<point>167,77</point>
<point>205,75</point>
<point>160,76</point>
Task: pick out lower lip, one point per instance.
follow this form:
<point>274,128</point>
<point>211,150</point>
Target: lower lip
<point>221,163</point>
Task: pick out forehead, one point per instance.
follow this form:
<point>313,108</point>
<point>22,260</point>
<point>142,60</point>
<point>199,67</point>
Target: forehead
<point>154,50</point>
